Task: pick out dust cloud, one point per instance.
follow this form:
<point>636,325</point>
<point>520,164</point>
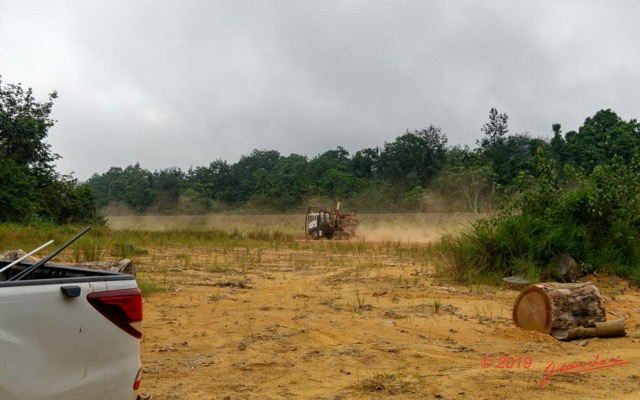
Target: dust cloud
<point>411,228</point>
<point>403,228</point>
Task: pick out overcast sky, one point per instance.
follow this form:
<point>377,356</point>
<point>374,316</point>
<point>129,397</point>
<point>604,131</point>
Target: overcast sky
<point>184,83</point>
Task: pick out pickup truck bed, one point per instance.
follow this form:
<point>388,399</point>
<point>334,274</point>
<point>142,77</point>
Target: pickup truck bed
<point>69,333</point>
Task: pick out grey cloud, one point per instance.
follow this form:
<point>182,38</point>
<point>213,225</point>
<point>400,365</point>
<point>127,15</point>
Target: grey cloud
<point>170,83</point>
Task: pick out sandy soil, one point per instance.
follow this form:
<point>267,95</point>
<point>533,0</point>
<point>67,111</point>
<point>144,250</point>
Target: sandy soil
<point>313,323</point>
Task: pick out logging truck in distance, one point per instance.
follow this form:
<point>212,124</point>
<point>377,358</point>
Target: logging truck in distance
<point>322,222</point>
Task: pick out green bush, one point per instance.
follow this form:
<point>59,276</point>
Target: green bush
<point>593,218</point>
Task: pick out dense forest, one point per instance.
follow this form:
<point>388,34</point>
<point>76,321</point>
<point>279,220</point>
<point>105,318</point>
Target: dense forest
<point>417,172</point>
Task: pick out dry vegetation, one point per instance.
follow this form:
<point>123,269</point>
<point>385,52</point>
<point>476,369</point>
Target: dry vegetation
<point>370,318</point>
<point>405,228</point>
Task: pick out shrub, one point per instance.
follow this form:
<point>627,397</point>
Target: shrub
<point>594,218</point>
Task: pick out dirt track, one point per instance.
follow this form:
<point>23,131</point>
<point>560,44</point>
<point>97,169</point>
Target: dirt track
<point>311,324</point>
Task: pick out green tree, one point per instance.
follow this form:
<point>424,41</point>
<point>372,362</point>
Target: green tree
<point>558,145</point>
<point>30,187</point>
<point>507,155</point>
<point>168,186</point>
<point>414,158</point>
<point>338,184</point>
<point>496,129</point>
<point>24,127</point>
<point>337,159</point>
<point>131,186</point>
<point>514,155</point>
<point>467,181</point>
<point>600,138</point>
<point>364,164</point>
<point>415,198</point>
<point>289,181</point>
<point>17,193</point>
<point>215,182</point>
<point>248,174</point>
<point>77,204</point>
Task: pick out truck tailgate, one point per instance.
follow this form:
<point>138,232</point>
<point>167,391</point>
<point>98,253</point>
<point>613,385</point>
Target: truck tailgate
<point>54,346</point>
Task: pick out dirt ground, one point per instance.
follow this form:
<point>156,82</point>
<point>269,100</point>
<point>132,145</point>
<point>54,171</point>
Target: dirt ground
<point>313,323</point>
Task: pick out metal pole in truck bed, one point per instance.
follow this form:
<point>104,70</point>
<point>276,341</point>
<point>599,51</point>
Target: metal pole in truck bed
<point>32,252</point>
<point>40,263</point>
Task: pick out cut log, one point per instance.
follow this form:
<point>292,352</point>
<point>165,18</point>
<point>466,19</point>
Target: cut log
<point>12,255</point>
<point>124,266</point>
<point>559,309</point>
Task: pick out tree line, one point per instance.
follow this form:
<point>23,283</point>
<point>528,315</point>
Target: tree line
<point>416,172</point>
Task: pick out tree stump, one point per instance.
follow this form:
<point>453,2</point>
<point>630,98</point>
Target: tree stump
<point>517,282</point>
<point>566,269</point>
<point>564,310</point>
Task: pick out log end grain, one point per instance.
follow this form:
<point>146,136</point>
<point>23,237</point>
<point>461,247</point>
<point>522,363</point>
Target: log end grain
<point>532,310</point>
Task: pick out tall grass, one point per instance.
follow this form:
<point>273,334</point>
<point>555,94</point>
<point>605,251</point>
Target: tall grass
<point>149,286</point>
<point>266,234</point>
<point>497,248</point>
<point>91,246</point>
<point>99,242</point>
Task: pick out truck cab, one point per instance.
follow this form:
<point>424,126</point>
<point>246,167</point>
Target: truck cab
<point>320,223</point>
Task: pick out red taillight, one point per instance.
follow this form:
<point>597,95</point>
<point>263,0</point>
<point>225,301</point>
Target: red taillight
<point>122,307</point>
<point>136,383</point>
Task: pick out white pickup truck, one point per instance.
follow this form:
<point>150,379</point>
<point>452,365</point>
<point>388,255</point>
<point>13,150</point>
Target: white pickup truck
<point>68,333</point>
